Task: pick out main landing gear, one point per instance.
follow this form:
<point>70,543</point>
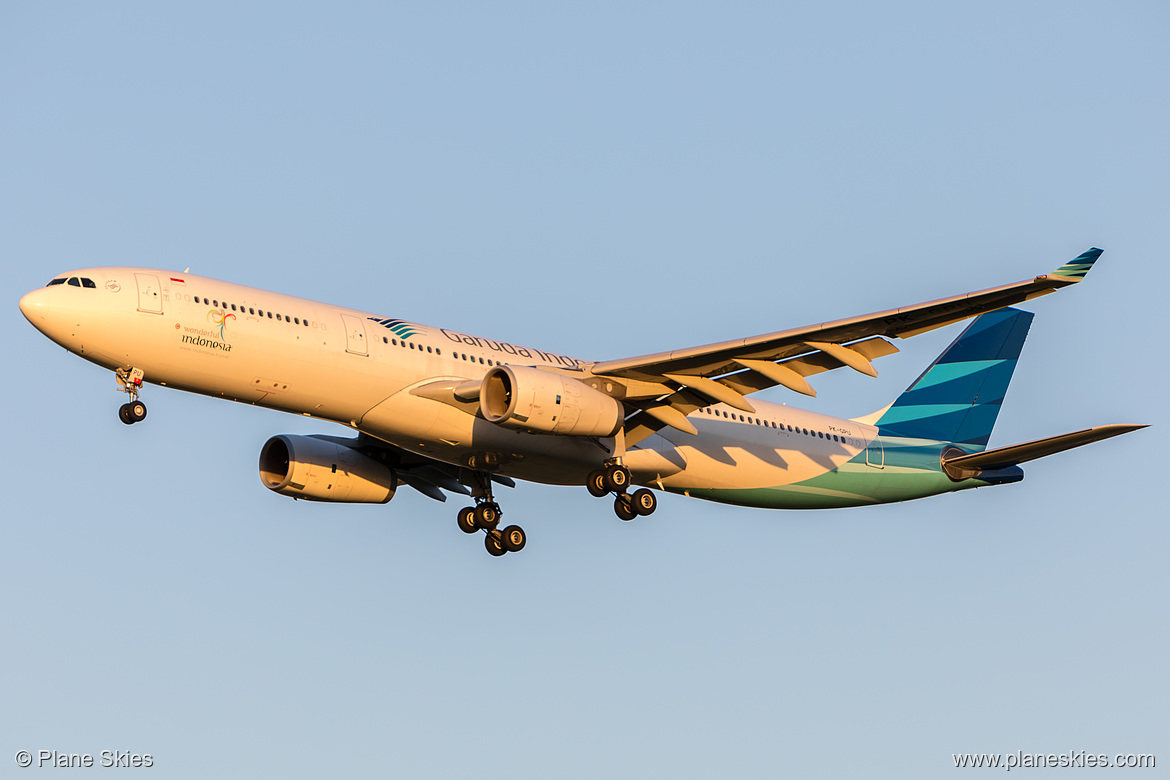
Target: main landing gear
<point>130,382</point>
<point>615,478</point>
<point>485,516</point>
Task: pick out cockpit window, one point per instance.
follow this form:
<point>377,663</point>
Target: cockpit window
<point>56,281</point>
<point>88,283</point>
<point>74,281</point>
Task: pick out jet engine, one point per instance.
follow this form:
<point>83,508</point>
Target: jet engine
<point>530,399</point>
<point>319,468</point>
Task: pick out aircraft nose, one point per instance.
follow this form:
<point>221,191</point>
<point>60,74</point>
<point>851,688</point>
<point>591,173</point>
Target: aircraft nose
<point>34,306</point>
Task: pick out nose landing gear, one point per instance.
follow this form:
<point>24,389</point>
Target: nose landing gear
<point>130,382</point>
<point>615,478</point>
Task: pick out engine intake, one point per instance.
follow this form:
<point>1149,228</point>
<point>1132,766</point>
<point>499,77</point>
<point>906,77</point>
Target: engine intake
<point>317,468</point>
<point>527,398</point>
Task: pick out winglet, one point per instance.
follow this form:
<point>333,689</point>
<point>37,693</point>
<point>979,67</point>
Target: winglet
<point>1077,268</point>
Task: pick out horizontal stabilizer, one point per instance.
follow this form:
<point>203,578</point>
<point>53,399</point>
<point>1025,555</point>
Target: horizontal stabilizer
<point>966,466</point>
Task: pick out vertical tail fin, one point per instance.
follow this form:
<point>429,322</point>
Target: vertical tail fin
<point>957,399</point>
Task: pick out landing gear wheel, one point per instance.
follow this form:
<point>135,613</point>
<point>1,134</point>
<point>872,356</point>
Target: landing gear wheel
<point>514,538</point>
<point>124,414</point>
<point>487,515</point>
<point>466,520</point>
<point>596,483</point>
<point>136,411</point>
<point>494,544</point>
<point>623,505</point>
<point>645,502</point>
<point>617,479</point>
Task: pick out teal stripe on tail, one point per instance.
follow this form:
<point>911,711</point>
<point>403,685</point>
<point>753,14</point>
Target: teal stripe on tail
<point>958,398</point>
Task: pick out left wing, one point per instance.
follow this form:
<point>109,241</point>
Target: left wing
<point>666,386</point>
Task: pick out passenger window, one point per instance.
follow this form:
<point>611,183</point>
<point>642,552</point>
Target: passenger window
<point>428,349</point>
<point>251,311</point>
<point>74,281</point>
<point>269,315</point>
<point>305,323</point>
<point>385,340</point>
<point>297,320</point>
<point>215,304</point>
<point>88,283</point>
<point>481,361</point>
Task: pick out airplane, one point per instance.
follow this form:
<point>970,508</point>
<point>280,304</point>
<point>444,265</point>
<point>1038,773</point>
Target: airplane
<point>440,410</point>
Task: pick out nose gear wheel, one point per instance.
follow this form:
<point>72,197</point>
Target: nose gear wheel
<point>130,382</point>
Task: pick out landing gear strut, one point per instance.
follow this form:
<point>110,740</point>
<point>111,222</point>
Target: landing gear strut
<point>485,516</point>
<point>615,478</point>
<point>130,382</point>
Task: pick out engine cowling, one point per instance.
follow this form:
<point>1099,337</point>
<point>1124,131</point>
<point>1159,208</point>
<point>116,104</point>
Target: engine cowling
<point>530,399</point>
<point>317,469</point>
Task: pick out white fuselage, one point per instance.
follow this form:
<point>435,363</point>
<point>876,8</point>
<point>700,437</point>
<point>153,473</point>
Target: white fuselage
<point>376,375</point>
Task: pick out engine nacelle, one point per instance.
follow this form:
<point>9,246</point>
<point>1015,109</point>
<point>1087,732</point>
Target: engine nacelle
<point>316,468</point>
<point>530,399</point>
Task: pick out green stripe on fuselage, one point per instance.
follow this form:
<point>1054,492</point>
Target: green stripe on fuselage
<point>912,469</point>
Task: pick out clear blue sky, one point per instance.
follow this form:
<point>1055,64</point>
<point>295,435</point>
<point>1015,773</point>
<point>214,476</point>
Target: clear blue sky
<point>600,180</point>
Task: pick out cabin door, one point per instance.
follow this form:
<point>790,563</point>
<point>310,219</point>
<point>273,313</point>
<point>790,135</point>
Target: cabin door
<point>149,293</point>
<point>355,335</point>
